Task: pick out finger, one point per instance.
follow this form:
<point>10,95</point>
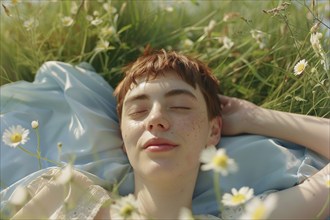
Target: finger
<point>224,99</point>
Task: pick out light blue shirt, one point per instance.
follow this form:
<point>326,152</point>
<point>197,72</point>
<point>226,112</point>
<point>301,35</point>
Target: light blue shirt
<point>75,106</point>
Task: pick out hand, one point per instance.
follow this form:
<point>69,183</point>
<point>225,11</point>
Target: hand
<point>236,114</point>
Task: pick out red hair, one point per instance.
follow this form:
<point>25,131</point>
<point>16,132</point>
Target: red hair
<point>154,63</point>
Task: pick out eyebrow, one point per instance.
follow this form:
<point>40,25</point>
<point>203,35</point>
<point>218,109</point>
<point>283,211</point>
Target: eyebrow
<point>170,93</point>
<point>176,92</point>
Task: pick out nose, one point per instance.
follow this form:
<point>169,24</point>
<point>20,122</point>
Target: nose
<point>157,119</point>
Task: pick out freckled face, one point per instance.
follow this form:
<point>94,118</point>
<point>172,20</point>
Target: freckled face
<point>164,126</point>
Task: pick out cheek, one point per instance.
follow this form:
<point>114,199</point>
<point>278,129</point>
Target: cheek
<point>131,131</point>
<point>194,128</point>
<point>195,133</point>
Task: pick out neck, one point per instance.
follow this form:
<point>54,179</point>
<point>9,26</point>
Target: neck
<point>164,200</point>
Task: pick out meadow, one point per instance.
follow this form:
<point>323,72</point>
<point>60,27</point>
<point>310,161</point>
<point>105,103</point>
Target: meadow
<point>273,53</point>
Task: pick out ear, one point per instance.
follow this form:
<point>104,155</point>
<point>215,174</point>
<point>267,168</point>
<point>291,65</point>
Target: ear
<point>215,131</point>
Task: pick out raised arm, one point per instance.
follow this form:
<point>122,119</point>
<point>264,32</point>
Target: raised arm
<point>308,200</point>
<point>240,116</point>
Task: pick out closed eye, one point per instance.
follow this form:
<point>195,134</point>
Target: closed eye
<point>137,112</point>
<point>180,107</point>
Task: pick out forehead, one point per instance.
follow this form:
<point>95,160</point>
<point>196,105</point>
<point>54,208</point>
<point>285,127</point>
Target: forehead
<point>160,85</point>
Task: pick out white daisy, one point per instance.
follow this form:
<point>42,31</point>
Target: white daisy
<point>102,45</point>
<point>300,67</point>
<point>96,21</point>
<point>237,197</point>
<point>125,208</point>
<point>30,24</point>
<point>107,31</point>
<point>67,21</point>
<point>15,136</point>
<point>217,160</point>
<point>257,209</point>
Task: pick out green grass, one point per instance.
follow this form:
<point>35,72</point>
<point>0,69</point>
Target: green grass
<point>263,75</point>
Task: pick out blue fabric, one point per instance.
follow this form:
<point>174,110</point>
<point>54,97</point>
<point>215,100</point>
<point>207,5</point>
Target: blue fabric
<point>75,106</point>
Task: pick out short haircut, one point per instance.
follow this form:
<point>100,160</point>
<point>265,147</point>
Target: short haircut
<point>155,63</point>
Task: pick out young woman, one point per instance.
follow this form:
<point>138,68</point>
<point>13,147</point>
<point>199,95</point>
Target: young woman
<point>169,111</point>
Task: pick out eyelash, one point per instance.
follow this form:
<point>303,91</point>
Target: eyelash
<point>138,112</point>
<point>173,107</point>
<point>180,107</point>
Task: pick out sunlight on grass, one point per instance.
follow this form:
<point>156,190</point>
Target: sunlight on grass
<point>252,46</point>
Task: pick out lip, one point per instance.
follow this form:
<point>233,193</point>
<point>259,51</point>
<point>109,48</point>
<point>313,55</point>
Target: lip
<point>159,145</point>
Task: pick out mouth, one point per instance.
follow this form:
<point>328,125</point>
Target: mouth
<point>159,145</point>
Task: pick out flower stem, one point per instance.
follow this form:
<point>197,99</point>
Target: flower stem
<point>216,183</point>
<point>41,158</point>
<point>324,207</point>
<point>38,148</point>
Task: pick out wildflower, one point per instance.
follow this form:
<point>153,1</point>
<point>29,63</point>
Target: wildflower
<point>96,13</point>
<point>277,10</point>
<point>227,42</point>
<point>237,197</point>
<point>30,24</point>
<point>34,124</point>
<point>208,30</point>
<point>102,45</point>
<point>67,21</point>
<point>125,208</point>
<point>65,175</point>
<point>89,18</point>
<point>187,43</point>
<point>185,214</point>
<point>96,21</point>
<point>217,160</point>
<point>19,196</point>
<point>315,42</point>
<point>107,31</point>
<point>317,47</point>
<point>169,9</point>
<point>260,37</point>
<point>300,67</point>
<point>107,7</point>
<point>258,209</point>
<point>15,135</point>
<point>315,27</point>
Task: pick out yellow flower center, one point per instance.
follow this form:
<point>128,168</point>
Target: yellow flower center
<point>220,161</point>
<point>16,137</point>
<point>300,67</point>
<point>327,183</point>
<point>238,198</point>
<point>259,213</point>
<point>127,210</point>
